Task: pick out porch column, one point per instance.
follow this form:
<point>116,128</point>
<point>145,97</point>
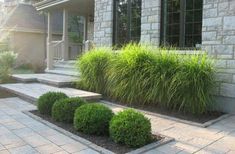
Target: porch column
<point>49,39</point>
<point>65,47</point>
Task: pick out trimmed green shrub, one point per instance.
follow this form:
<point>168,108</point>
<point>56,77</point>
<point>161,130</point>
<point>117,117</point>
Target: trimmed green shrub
<point>93,66</point>
<point>93,119</point>
<point>131,128</point>
<point>46,101</point>
<point>63,110</point>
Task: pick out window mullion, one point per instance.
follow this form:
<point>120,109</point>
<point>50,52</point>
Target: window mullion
<point>129,20</point>
<point>182,23</point>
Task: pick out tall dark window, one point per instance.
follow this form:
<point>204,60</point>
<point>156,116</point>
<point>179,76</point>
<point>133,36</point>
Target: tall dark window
<point>127,21</point>
<point>181,23</point>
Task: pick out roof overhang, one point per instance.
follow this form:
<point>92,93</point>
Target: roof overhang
<point>48,3</point>
<point>81,7</point>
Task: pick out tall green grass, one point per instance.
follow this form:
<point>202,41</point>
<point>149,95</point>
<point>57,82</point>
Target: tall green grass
<point>7,61</point>
<point>192,85</point>
<point>93,67</point>
<point>146,75</point>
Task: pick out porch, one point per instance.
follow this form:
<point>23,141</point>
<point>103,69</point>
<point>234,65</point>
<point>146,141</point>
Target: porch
<point>65,48</point>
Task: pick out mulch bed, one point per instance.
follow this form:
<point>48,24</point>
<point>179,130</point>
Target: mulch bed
<point>102,141</point>
<point>210,115</point>
<point>5,94</point>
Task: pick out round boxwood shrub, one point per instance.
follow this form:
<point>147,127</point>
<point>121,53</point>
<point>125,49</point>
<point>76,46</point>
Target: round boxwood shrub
<point>46,101</point>
<point>63,110</point>
<point>131,128</point>
<point>93,119</point>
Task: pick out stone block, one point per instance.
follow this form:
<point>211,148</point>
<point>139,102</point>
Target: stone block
<point>231,64</point>
<point>223,49</point>
<point>227,90</point>
<point>151,3</point>
<point>223,9</point>
<point>229,39</point>
<point>208,13</point>
<point>224,77</point>
<point>146,26</point>
<point>209,36</point>
<point>212,21</point>
<point>229,23</point>
<point>221,63</point>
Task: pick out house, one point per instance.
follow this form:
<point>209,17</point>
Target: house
<point>186,24</point>
<point>23,30</point>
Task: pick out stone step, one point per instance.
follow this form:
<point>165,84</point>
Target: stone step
<point>60,71</point>
<point>69,62</point>
<point>46,78</point>
<point>65,64</point>
<point>32,91</point>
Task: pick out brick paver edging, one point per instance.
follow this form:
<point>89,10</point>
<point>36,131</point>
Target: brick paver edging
<point>203,125</point>
<point>95,147</point>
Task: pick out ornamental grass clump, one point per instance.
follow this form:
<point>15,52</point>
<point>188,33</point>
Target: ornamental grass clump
<point>129,75</point>
<point>93,67</point>
<point>142,74</point>
<point>192,85</point>
<point>145,75</point>
<point>7,60</point>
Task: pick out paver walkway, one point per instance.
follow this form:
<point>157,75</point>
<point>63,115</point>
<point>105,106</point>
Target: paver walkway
<point>22,135</point>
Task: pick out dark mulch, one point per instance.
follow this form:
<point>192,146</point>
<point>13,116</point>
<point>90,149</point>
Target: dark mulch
<point>210,115</point>
<point>103,141</point>
<point>5,94</point>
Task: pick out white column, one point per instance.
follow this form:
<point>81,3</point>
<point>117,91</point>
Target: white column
<point>49,39</point>
<point>65,47</point>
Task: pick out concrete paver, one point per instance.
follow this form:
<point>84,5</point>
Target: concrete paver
<point>22,134</point>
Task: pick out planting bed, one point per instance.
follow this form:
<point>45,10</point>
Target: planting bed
<point>102,141</point>
<point>201,119</point>
<point>5,94</point>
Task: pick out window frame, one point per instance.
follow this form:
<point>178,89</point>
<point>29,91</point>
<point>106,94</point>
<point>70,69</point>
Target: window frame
<point>182,22</point>
<point>129,15</point>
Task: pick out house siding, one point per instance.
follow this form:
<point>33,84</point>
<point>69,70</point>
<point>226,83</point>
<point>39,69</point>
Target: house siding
<point>218,39</point>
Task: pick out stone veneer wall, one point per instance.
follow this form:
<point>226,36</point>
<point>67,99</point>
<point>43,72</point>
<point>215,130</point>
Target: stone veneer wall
<point>103,24</point>
<point>218,38</point>
<point>150,21</point>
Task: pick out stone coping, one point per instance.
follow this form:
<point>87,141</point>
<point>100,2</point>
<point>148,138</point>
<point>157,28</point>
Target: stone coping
<point>95,147</point>
<point>203,125</point>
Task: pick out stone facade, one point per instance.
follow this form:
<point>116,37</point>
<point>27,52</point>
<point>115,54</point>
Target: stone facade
<point>218,39</point>
<point>103,24</point>
<point>150,21</point>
